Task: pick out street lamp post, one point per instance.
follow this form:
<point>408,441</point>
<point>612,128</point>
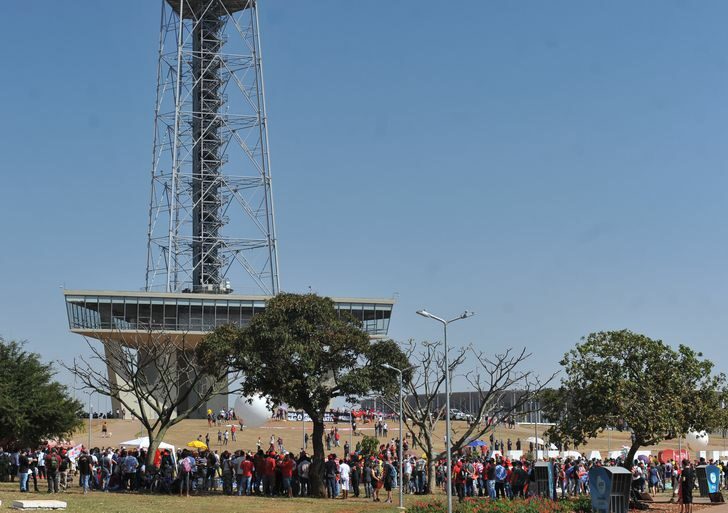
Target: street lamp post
<point>401,441</point>
<point>88,449</point>
<point>351,429</point>
<point>448,470</point>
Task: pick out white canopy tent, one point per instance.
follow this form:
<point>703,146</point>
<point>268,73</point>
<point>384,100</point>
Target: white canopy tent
<point>143,443</point>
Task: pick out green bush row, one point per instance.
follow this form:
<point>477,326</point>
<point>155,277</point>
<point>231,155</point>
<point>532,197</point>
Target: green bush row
<point>485,505</point>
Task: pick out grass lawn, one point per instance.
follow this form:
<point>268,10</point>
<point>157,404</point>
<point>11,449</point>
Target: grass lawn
<point>292,433</point>
<point>98,502</point>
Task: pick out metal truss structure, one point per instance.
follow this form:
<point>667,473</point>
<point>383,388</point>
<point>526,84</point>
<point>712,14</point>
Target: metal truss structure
<point>211,217</point>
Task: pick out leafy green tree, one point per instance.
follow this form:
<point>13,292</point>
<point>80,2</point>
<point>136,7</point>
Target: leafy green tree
<point>33,407</point>
<point>302,352</point>
<point>369,445</point>
<point>629,381</point>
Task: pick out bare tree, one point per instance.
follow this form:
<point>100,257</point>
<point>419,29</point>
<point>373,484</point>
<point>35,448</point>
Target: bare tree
<point>159,378</point>
<point>490,378</point>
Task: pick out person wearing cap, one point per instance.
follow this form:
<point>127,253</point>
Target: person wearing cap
<point>269,474</point>
<point>286,467</point>
<point>331,471</point>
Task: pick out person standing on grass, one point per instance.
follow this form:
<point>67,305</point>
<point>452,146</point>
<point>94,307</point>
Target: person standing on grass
<point>304,465</point>
<point>237,470</point>
<point>286,466</point>
<point>233,430</point>
<point>331,469</point>
<point>344,475</point>
<point>129,469</point>
<point>33,459</point>
<point>366,477</point>
<point>23,470</point>
<point>687,483</point>
<point>107,469</point>
<point>269,474</point>
<point>377,480</point>
<point>247,468</point>
<point>519,478</point>
<point>62,474</point>
<point>390,477</point>
<point>355,476</point>
<point>185,471</point>
<point>225,437</point>
<point>53,466</point>
<point>228,471</point>
<point>41,464</point>
<point>85,467</point>
<point>500,479</point>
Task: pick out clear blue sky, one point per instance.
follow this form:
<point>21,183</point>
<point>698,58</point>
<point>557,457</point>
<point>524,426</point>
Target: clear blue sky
<point>558,167</point>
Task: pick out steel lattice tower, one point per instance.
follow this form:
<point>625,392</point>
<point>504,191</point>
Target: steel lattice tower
<point>211,217</point>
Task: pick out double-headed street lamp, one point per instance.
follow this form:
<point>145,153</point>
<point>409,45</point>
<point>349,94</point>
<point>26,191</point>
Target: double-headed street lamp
<point>401,414</point>
<point>448,471</point>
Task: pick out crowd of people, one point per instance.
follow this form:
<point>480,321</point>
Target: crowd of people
<point>352,474</point>
<point>267,473</point>
<point>500,478</point>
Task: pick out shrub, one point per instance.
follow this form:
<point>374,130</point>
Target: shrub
<point>369,446</point>
<point>485,505</point>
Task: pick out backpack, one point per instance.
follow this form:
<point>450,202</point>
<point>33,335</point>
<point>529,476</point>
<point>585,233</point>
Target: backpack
<point>391,474</point>
<point>53,464</point>
<point>186,466</point>
<point>500,473</point>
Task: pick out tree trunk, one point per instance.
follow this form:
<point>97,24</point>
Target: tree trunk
<point>629,459</point>
<point>154,441</point>
<point>430,476</point>
<point>316,471</point>
<point>431,462</point>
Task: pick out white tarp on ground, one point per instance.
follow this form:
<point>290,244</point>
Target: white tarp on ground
<point>143,443</point>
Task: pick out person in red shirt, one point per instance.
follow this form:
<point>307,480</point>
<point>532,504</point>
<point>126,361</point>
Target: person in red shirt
<point>459,478</point>
<point>246,467</point>
<point>286,466</point>
<point>269,475</point>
